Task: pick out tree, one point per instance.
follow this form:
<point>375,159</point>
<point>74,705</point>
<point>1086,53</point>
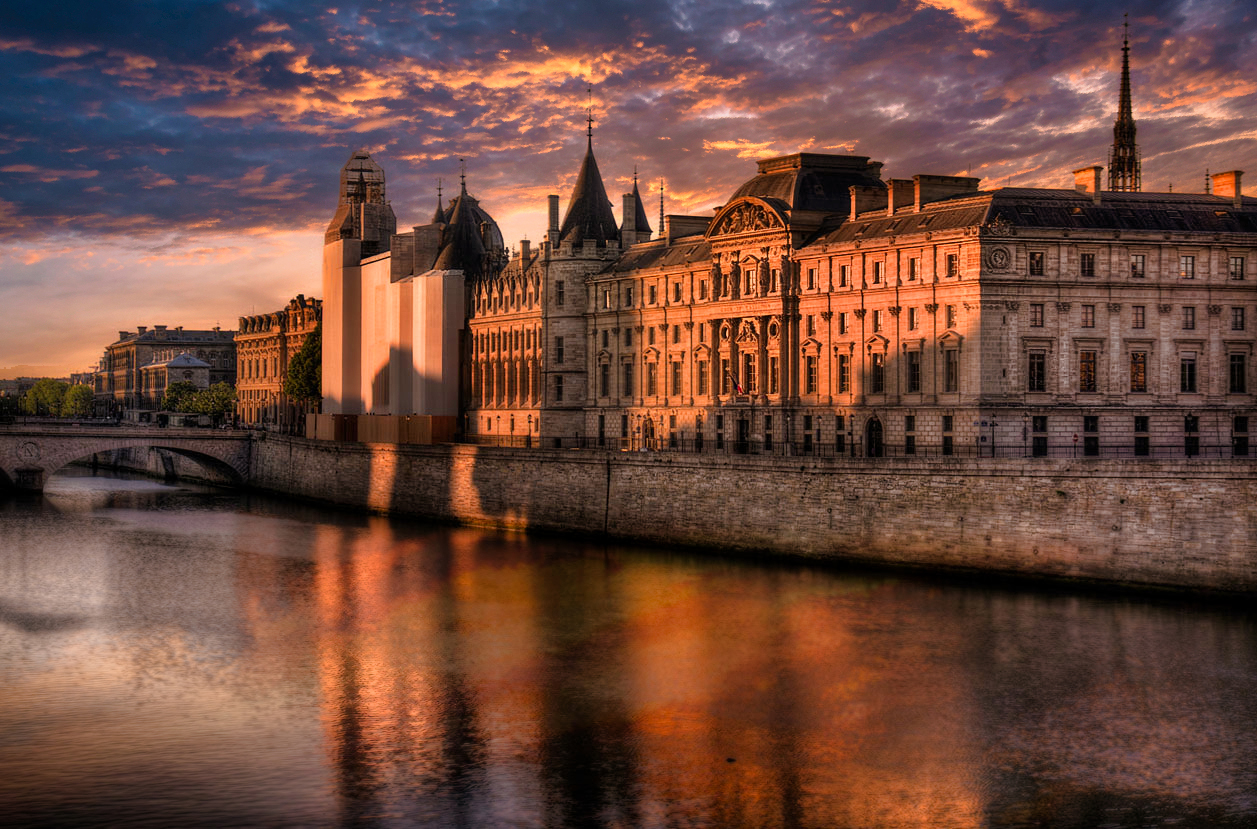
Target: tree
<point>44,398</point>
<point>178,397</point>
<point>304,381</point>
<point>77,402</point>
<point>217,400</point>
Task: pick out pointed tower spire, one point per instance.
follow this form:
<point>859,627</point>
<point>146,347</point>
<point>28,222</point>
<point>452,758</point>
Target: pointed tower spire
<point>589,215</point>
<point>640,223</point>
<point>438,217</point>
<point>1124,168</point>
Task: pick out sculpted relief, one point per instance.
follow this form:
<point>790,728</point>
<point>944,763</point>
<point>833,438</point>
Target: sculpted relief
<point>746,218</point>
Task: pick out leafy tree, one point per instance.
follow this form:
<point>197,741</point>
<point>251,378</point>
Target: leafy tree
<point>217,400</point>
<point>178,397</point>
<point>304,381</point>
<point>44,398</point>
<point>77,402</point>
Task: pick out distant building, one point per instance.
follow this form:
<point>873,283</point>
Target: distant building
<point>265,344</point>
<point>119,384</point>
<point>159,374</point>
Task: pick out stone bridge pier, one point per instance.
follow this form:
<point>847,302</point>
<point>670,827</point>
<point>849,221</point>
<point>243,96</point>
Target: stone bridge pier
<point>29,455</point>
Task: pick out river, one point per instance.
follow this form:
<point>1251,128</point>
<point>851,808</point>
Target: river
<point>184,656</point>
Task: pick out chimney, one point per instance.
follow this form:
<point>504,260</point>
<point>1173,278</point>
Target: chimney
<point>122,335</point>
<point>525,252</point>
<point>141,328</point>
<point>1087,180</point>
<point>629,223</point>
<point>899,193</point>
<point>865,198</point>
<point>937,188</point>
<point>1228,184</point>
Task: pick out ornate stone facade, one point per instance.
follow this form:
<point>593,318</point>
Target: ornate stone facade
<point>119,382</point>
<point>265,344</point>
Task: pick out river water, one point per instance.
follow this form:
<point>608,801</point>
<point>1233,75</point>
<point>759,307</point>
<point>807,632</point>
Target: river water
<point>178,656</point>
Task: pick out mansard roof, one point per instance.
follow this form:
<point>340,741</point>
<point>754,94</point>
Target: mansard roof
<point>812,181</point>
<point>1024,207</point>
<point>589,214</point>
<point>471,241</point>
<point>659,254</point>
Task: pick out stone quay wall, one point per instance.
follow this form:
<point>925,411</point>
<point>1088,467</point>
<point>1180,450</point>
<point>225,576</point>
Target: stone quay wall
<point>1181,524</point>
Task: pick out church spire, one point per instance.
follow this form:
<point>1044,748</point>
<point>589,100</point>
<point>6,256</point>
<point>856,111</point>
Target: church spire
<point>1124,172</point>
<point>589,215</point>
<point>439,216</point>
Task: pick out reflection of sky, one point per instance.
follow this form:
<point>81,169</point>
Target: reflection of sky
<point>371,670</point>
<point>175,163</point>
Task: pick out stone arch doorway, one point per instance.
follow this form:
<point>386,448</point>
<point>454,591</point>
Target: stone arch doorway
<point>874,442</point>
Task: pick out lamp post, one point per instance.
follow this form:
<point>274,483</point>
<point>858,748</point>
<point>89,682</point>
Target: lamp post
<point>1025,424</point>
<point>851,434</point>
<point>528,440</point>
<point>992,435</point>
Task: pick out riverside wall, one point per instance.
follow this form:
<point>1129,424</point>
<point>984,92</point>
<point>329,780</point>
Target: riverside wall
<point>1181,524</point>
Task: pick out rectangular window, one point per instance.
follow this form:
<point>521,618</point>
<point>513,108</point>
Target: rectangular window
<point>948,447</point>
<point>914,371</point>
<point>1091,436</point>
<point>953,264</point>
<point>951,370</point>
<point>811,279</point>
<point>811,324</point>
<point>1191,436</point>
<point>702,289</point>
<point>650,335</point>
<point>1039,443</point>
<point>676,377</point>
<point>628,336</point>
<point>558,349</point>
<point>1187,267</point>
<point>809,375</point>
<point>726,377</point>
<point>1088,316</point>
<point>1137,270</point>
<point>654,296</point>
<point>840,439</point>
<point>1139,371</point>
<point>676,334</point>
<point>1189,318</point>
<point>842,322</point>
<point>1036,263</point>
<point>1239,436</point>
<point>1237,319</point>
<point>1087,264</point>
<point>1187,373</point>
<point>700,368</point>
<point>559,292</point>
<point>629,390</point>
<point>604,337</point>
<point>750,377</point>
<point>951,316</point>
<point>1235,269</point>
<point>1036,315</point>
<point>604,379</point>
<point>877,273</point>
<point>1036,372</point>
<point>768,433</point>
<point>558,388</point>
<point>914,267</point>
<point>877,379</point>
<point>628,295</point>
<point>773,374</point>
<point>844,273</point>
<point>652,379</point>
<point>624,426</point>
<point>1143,444</point>
<point>1239,374</point>
<point>676,291</point>
<point>1136,316</point>
<point>1086,371</point>
<point>844,373</point>
<point>877,320</point>
<point>912,319</point>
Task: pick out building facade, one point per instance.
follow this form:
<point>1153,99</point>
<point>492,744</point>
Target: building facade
<point>119,382</point>
<point>265,343</point>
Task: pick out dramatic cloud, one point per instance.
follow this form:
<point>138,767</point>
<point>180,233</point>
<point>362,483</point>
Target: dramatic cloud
<point>167,162</point>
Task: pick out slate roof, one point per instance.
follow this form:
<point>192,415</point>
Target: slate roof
<point>589,213</point>
<point>811,181</point>
<point>640,222</point>
<point>658,255</point>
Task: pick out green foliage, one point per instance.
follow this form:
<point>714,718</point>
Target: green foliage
<point>44,398</point>
<point>178,397</point>
<point>77,402</point>
<point>304,381</point>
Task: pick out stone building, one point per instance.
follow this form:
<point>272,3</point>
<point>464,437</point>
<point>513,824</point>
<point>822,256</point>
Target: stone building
<point>166,369</point>
<point>824,309</point>
<point>265,343</point>
<point>119,382</point>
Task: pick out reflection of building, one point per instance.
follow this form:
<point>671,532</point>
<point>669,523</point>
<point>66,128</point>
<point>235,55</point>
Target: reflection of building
<point>830,310</point>
<point>265,344</point>
<point>119,381</point>
<point>157,375</point>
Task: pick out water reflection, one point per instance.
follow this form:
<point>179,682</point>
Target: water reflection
<point>176,656</point>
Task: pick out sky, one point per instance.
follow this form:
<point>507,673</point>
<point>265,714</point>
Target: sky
<point>176,162</point>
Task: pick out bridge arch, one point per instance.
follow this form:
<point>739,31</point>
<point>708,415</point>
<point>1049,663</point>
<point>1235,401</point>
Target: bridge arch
<point>220,470</point>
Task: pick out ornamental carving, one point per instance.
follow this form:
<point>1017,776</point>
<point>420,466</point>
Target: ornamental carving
<point>1115,307</point>
<point>689,325</point>
<point>931,308</point>
<point>999,225</point>
<point>1214,310</point>
<point>894,310</point>
<point>639,328</point>
<point>746,218</point>
<point>827,315</point>
<point>1012,306</point>
<point>998,259</point>
<point>1063,307</point>
<point>27,452</point>
<point>1165,309</point>
<point>860,312</point>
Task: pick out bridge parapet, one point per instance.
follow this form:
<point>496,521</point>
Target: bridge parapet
<point>30,454</point>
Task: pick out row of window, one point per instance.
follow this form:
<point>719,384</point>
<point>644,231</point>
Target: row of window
<point>1088,380</point>
<point>1138,265</point>
<point>1138,317</point>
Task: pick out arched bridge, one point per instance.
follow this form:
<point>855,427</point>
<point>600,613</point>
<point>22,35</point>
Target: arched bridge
<point>29,454</point>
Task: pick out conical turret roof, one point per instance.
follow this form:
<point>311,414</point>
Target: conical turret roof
<point>589,215</point>
<point>640,222</point>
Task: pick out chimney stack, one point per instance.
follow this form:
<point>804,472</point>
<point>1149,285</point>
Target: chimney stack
<point>865,198</point>
<point>629,223</point>
<point>1087,180</point>
<point>900,192</point>
<point>525,252</point>
<point>1228,184</point>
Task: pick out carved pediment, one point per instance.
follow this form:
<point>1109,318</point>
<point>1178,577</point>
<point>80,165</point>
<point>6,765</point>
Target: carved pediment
<point>703,351</point>
<point>877,343</point>
<point>951,338</point>
<point>745,216</point>
<point>810,346</point>
<point>747,333</point>
<point>651,354</point>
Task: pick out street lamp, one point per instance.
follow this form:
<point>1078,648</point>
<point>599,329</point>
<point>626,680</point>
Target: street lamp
<point>992,435</point>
